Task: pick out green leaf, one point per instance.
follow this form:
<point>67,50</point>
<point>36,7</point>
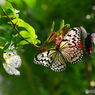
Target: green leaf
<point>22,23</point>
<point>25,34</point>
<point>33,41</point>
<point>28,37</point>
<point>62,24</point>
<point>16,38</point>
<point>6,46</point>
<point>23,43</point>
<point>8,6</point>
<point>1,47</point>
<point>2,40</point>
<point>29,32</point>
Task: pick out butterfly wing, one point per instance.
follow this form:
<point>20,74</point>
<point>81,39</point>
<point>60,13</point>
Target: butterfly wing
<point>15,61</point>
<point>42,59</point>
<point>52,59</point>
<point>10,70</point>
<point>12,59</point>
<point>71,47</point>
<point>58,62</point>
<point>93,38</point>
<point>84,32</point>
<point>72,55</point>
<point>72,38</point>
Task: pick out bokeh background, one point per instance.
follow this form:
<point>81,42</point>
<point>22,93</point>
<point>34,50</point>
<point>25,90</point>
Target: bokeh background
<point>77,79</point>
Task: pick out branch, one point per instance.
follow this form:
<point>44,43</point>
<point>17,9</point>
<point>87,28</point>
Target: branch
<point>15,28</point>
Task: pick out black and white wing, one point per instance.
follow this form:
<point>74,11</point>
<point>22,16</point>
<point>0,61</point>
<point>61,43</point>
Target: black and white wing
<point>71,46</point>
<point>52,59</point>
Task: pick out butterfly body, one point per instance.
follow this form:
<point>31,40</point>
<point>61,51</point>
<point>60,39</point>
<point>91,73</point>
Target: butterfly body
<point>88,44</point>
<point>66,51</point>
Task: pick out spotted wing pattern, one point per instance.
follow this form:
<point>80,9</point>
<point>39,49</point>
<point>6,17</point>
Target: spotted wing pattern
<point>71,46</point>
<point>52,59</point>
<point>69,50</point>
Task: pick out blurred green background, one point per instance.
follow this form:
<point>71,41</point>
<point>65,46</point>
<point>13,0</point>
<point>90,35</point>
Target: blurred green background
<point>40,80</point>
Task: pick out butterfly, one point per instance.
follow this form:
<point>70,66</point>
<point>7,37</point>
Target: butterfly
<point>11,62</point>
<point>68,50</point>
<point>89,40</point>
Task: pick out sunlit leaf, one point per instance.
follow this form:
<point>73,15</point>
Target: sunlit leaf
<point>22,23</point>
<point>8,6</point>
<point>23,43</point>
<point>1,47</point>
<point>28,37</point>
<point>25,34</point>
<point>30,30</point>
<point>33,41</point>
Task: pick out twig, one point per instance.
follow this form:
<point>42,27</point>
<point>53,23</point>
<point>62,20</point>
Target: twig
<point>15,28</point>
